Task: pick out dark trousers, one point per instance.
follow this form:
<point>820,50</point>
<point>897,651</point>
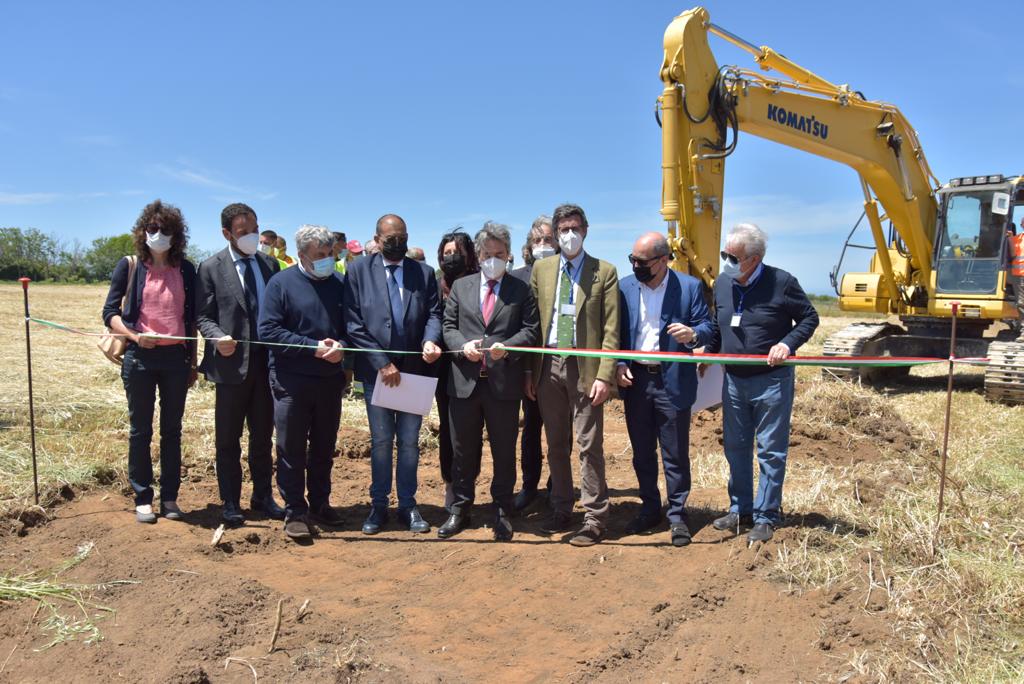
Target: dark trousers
<point>529,447</point>
<point>444,434</point>
<point>247,403</point>
<point>143,371</point>
<point>307,410</point>
<point>651,419</point>
<point>468,417</point>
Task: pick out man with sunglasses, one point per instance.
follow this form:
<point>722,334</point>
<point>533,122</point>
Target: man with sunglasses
<point>760,310</point>
<point>660,311</point>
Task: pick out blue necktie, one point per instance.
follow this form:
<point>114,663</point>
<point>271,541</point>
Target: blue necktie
<point>251,298</point>
<point>397,311</point>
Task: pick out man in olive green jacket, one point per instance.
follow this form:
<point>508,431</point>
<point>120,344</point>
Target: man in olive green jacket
<point>578,302</point>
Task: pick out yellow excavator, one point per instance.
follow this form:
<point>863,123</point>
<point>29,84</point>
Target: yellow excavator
<point>946,243</point>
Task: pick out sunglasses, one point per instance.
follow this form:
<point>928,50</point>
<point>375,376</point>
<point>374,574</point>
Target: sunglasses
<point>730,258</point>
<point>636,261</point>
<point>154,228</point>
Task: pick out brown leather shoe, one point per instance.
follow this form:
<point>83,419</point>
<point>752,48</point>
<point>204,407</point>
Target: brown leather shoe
<point>587,536</point>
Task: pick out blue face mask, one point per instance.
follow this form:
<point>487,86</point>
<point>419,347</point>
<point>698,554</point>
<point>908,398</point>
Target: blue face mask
<point>323,268</point>
<point>730,269</point>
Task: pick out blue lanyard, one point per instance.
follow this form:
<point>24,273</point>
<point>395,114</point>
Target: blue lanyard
<point>572,281</point>
<point>744,290</point>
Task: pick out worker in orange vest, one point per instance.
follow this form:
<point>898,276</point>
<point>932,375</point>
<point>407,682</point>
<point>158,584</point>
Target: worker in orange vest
<point>1016,244</point>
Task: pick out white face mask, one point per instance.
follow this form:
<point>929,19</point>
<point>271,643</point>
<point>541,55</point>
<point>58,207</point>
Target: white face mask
<point>158,243</point>
<point>322,268</point>
<point>493,268</point>
<point>543,251</point>
<point>248,244</point>
<point>266,249</point>
<point>571,243</point>
<point>730,269</point>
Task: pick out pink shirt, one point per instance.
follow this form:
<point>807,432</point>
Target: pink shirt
<point>162,309</point>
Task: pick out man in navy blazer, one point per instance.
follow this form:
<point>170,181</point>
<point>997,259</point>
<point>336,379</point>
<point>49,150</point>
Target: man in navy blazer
<point>662,311</point>
<point>391,304</point>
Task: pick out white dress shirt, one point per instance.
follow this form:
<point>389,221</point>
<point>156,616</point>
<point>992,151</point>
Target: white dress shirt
<point>256,272</point>
<point>575,266</point>
<point>484,287</point>
<point>648,331</point>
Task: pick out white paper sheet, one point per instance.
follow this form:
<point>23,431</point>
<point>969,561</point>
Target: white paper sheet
<point>709,389</point>
<point>414,394</point>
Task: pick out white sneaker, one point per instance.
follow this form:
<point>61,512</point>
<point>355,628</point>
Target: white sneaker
<point>144,514</point>
<point>170,510</point>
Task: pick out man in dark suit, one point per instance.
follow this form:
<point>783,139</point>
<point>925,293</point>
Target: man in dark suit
<point>391,304</point>
<point>230,291</point>
<point>487,310</point>
<point>662,311</point>
<point>540,243</point>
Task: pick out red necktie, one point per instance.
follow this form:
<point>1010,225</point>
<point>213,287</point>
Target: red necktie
<point>489,301</point>
<point>488,309</point>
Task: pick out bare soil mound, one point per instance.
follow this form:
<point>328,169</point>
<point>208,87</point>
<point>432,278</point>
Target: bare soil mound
<point>403,607</point>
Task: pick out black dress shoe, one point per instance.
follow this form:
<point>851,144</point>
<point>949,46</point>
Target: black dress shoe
<point>502,527</point>
<point>326,514</point>
<point>762,532</point>
<point>730,521</point>
<point>524,498</point>
<point>642,523</point>
<point>680,534</point>
<point>411,517</point>
<point>558,522</point>
<point>297,528</point>
<point>232,515</point>
<point>268,506</point>
<point>378,518</point>
<point>453,525</point>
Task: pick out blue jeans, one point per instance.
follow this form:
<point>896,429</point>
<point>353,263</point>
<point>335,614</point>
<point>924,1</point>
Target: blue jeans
<point>758,409</point>
<point>143,371</point>
<point>387,427</point>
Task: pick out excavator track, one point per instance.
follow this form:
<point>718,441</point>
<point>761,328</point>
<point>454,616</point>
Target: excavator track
<point>1004,375</point>
<point>850,341</point>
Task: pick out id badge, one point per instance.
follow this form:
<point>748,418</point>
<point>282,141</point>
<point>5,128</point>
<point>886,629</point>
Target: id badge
<point>568,310</point>
<point>736,320</point>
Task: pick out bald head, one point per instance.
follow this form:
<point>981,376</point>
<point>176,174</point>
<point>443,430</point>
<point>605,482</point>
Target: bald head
<point>650,245</point>
<point>390,222</point>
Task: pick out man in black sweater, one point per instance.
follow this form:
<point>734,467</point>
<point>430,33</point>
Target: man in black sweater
<point>761,310</point>
<point>302,306</point>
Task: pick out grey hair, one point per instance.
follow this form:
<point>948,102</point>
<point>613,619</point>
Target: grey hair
<point>534,234</point>
<point>492,231</point>
<point>750,236</point>
<point>308,235</point>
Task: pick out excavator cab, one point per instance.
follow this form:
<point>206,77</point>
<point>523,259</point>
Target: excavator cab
<point>971,245</point>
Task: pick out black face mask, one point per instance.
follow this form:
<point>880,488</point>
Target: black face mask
<point>643,273</point>
<point>453,265</point>
<point>394,248</point>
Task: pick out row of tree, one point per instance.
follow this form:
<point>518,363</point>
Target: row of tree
<point>37,255</point>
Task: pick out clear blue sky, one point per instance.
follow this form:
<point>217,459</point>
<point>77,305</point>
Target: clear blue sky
<point>454,113</point>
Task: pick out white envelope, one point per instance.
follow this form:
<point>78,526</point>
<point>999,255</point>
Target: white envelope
<point>414,394</point>
<point>709,388</point>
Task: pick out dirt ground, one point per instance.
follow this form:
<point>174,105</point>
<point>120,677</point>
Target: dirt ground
<point>404,607</point>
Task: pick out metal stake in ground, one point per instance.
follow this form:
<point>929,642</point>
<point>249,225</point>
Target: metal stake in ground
<point>31,402</point>
<point>945,431</point>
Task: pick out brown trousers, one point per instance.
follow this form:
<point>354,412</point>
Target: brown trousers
<point>565,409</point>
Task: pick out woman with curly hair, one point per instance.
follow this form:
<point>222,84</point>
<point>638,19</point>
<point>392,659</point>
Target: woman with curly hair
<point>457,257</point>
<point>158,311</point>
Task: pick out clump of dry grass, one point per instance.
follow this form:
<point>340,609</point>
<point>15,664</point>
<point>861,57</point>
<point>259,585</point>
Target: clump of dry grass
<point>956,605</point>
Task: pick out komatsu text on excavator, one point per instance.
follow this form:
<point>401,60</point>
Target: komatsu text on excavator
<point>945,243</point>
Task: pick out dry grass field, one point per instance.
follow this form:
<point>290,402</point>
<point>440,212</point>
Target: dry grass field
<point>855,587</point>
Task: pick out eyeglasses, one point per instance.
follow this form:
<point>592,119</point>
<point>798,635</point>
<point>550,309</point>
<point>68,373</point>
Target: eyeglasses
<point>636,261</point>
<point>154,228</point>
<point>730,258</point>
